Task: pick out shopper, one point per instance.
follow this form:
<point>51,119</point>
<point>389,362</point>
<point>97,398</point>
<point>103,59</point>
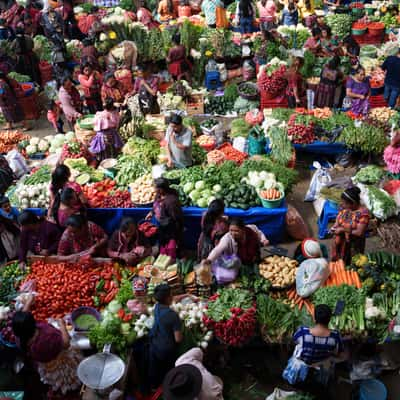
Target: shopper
<point>81,238</point>
<point>165,335</point>
<point>38,236</point>
<point>241,240</point>
<point>331,78</point>
<point>290,14</point>
<point>9,240</point>
<point>168,213</point>
<point>65,205</point>
<point>59,181</point>
<point>267,12</point>
<point>211,387</point>
<point>70,101</point>
<point>106,143</point>
<point>209,9</point>
<point>27,61</point>
<point>71,30</point>
<point>128,243</point>
<point>350,227</point>
<point>146,85</point>
<point>392,79</point>
<point>178,65</point>
<point>183,382</point>
<point>329,44</point>
<point>91,81</point>
<point>358,89</point>
<point>313,43</point>
<point>307,12</point>
<point>9,104</point>
<point>312,364</point>
<point>48,348</point>
<point>179,143</point>
<point>295,90</point>
<point>214,225</point>
<point>113,89</point>
<point>245,16</point>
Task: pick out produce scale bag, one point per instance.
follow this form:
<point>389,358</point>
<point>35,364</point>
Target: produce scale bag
<point>311,275</point>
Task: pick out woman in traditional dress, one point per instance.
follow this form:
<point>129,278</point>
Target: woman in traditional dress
<point>330,79</point>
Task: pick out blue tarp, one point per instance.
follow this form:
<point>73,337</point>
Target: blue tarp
<point>322,148</point>
<point>270,221</point>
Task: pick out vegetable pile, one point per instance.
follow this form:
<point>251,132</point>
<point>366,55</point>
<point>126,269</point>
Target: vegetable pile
<point>280,271</point>
<point>301,129</point>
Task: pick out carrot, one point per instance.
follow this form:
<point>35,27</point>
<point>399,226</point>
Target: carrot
<point>357,280</point>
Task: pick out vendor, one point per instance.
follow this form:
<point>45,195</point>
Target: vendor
<point>7,211</point>
<point>165,336</point>
<point>329,44</point>
<point>113,89</point>
<point>89,54</point>
<point>59,181</point>
<point>38,236</point>
<point>146,85</point>
<point>70,100</point>
<point>65,205</point>
<point>211,387</point>
<point>295,90</point>
<point>168,213</point>
<point>241,240</point>
<point>392,79</point>
<point>128,243</point>
<point>48,348</point>
<point>166,11</point>
<point>315,349</point>
<point>352,50</point>
<point>358,89</point>
<point>178,65</point>
<point>179,143</point>
<point>91,81</point>
<point>214,225</point>
<point>350,227</point>
<point>81,238</point>
<point>145,16</point>
<point>310,248</point>
<point>331,78</point>
<point>106,143</point>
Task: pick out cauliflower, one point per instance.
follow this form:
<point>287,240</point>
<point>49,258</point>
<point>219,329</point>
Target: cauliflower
<point>34,141</point>
<point>43,145</point>
<point>31,149</point>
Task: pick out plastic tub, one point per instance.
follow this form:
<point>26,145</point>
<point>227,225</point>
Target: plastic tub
<point>372,389</point>
<point>272,203</point>
<point>83,311</point>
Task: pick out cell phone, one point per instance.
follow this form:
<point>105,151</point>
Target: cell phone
<point>339,308</point>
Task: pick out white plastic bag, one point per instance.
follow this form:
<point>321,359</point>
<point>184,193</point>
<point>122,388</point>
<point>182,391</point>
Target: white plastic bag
<point>240,144</point>
<point>223,72</point>
<point>311,275</point>
<point>17,163</point>
<point>279,394</point>
<point>320,179</point>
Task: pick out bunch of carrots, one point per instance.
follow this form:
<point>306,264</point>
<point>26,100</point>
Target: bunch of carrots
<point>339,276</point>
<point>298,301</point>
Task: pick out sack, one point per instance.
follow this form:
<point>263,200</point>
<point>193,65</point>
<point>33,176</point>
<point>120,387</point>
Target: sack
<point>295,225</point>
<point>296,371</point>
<point>279,394</point>
<point>311,275</point>
<point>17,163</point>
<point>226,268</point>
<point>320,179</point>
<point>221,19</point>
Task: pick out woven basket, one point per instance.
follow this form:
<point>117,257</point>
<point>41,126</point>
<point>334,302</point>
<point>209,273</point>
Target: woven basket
<point>248,96</point>
<point>84,136</point>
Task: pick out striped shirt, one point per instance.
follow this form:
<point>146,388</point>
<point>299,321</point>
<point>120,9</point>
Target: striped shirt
<point>314,349</point>
<point>209,7</point>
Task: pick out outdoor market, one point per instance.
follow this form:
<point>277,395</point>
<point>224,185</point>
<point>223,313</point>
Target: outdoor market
<point>199,199</point>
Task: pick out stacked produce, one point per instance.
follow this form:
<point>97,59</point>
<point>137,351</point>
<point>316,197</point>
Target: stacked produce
<point>280,271</point>
<point>301,129</point>
<point>142,190</point>
<point>10,139</point>
<point>272,79</point>
<point>30,195</point>
<point>231,315</point>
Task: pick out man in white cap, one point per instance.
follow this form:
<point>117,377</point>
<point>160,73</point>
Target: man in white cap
<point>310,248</point>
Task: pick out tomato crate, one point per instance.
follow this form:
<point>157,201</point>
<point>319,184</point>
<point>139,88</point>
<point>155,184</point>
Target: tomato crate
<point>195,104</point>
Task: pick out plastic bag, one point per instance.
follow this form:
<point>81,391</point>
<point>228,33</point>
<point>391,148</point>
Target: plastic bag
<point>226,268</point>
<point>240,143</point>
<point>223,72</point>
<point>296,371</point>
<point>279,394</point>
<point>12,395</point>
<point>17,163</point>
<point>310,275</point>
<point>320,178</point>
<point>295,225</point>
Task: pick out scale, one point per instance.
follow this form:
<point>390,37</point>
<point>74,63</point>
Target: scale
<point>101,372</point>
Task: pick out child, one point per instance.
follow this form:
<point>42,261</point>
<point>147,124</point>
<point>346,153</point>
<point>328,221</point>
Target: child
<point>7,211</point>
<point>290,15</point>
<point>54,116</point>
<point>107,143</point>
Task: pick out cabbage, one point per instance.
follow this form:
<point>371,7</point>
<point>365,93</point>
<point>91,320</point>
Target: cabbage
<point>188,187</point>
<point>194,195</point>
<point>202,203</point>
<point>43,145</point>
<point>114,306</point>
<point>31,149</point>
<point>200,185</point>
<point>34,141</point>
